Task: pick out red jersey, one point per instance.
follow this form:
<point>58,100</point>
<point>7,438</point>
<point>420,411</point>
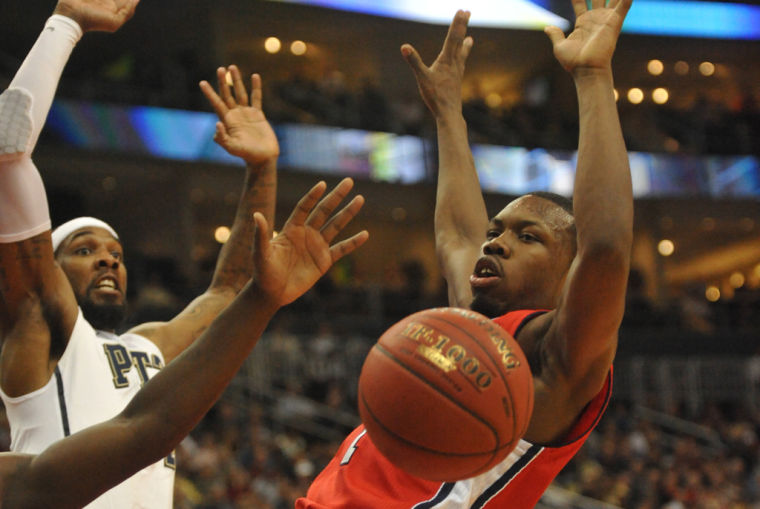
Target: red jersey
<point>359,477</point>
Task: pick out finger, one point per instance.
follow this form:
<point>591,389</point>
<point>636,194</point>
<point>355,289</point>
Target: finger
<point>597,4</point>
<point>213,99</point>
<point>220,136</point>
<point>556,35</point>
<point>466,47</point>
<point>579,6</point>
<point>413,59</point>
<point>339,221</point>
<point>348,246</point>
<point>306,204</point>
<point>622,7</point>
<point>131,8</point>
<point>456,34</point>
<point>260,239</point>
<point>237,83</point>
<point>322,212</point>
<point>224,88</point>
<point>256,91</point>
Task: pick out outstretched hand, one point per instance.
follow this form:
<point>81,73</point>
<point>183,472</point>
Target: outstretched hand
<point>441,84</point>
<point>242,130</point>
<point>97,15</point>
<point>592,42</point>
<point>288,265</point>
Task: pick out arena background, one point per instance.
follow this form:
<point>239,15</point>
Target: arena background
<point>129,140</point>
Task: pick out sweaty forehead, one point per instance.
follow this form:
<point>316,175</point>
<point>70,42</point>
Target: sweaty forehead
<point>540,210</point>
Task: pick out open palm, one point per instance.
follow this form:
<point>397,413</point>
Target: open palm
<point>242,130</point>
<point>288,265</point>
<point>592,41</point>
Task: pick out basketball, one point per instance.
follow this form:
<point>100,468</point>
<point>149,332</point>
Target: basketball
<point>445,394</point>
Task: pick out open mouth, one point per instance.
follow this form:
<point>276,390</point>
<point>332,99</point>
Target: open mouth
<point>486,273</point>
<point>106,283</point>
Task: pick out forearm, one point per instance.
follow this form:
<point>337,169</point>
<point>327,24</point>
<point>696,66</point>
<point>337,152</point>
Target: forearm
<point>24,108</point>
<point>162,413</point>
<point>234,265</point>
<point>460,211</point>
<point>201,372</point>
<point>603,197</point>
<point>40,72</point>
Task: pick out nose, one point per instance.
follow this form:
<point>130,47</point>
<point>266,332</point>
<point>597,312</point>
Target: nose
<point>497,247</point>
<point>107,260</point>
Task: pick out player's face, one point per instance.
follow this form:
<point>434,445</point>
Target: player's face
<point>94,265</point>
<point>526,256</point>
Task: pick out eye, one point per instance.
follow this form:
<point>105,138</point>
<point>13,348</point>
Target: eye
<point>492,234</point>
<point>116,254</point>
<point>528,237</point>
<point>83,251</point>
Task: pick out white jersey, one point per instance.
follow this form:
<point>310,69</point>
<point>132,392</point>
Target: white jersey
<point>98,374</point>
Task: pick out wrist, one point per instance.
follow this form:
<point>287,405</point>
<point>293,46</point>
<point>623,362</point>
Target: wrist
<point>68,13</point>
<point>259,163</point>
<point>260,300</point>
<point>450,117</point>
<point>584,75</point>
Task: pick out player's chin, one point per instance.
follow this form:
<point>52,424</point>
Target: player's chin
<point>487,305</point>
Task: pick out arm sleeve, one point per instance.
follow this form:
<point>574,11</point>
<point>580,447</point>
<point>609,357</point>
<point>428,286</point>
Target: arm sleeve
<point>23,109</point>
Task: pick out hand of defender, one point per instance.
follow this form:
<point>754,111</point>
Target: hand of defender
<point>97,15</point>
<point>242,130</point>
<point>288,265</point>
<point>441,84</point>
<point>592,42</point>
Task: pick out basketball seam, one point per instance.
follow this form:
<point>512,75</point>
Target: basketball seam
<point>499,371</point>
<point>390,355</point>
<point>427,449</point>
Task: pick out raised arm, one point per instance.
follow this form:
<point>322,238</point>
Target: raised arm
<point>75,470</point>
<point>243,131</point>
<point>592,304</point>
<point>461,219</point>
<point>37,304</point>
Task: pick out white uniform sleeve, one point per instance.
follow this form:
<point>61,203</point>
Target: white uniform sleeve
<point>23,109</point>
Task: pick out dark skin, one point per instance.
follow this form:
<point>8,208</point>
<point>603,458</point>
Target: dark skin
<point>528,259</point>
<point>74,471</point>
<point>40,292</point>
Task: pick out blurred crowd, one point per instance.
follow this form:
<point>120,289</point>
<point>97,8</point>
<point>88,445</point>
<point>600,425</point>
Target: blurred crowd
<point>634,463</point>
<point>532,119</point>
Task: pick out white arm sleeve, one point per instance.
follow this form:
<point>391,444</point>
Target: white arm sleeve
<point>23,109</point>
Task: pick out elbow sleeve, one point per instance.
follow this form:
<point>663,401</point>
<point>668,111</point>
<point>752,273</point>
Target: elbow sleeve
<point>23,109</point>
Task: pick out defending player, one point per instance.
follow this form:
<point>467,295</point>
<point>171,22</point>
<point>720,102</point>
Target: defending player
<point>62,295</point>
<point>76,469</point>
<point>552,278</point>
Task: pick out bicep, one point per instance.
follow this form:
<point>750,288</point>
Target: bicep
<point>174,336</point>
<point>457,261</point>
<point>38,313</point>
<point>589,315</point>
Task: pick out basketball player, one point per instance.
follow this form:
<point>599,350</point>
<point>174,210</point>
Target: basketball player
<point>552,278</point>
<point>75,470</point>
<point>62,294</point>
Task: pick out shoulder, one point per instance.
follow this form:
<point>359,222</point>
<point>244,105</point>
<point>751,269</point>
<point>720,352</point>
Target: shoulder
<point>514,321</point>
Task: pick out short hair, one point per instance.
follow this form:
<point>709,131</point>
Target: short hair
<point>562,201</point>
<point>565,204</point>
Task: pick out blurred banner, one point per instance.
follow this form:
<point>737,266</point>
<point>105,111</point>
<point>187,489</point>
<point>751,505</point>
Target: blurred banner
<point>386,157</point>
<point>685,18</point>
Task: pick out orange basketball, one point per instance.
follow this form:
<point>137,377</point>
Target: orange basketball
<point>445,394</point>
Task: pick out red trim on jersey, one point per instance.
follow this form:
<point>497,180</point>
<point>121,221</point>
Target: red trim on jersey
<point>360,477</point>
